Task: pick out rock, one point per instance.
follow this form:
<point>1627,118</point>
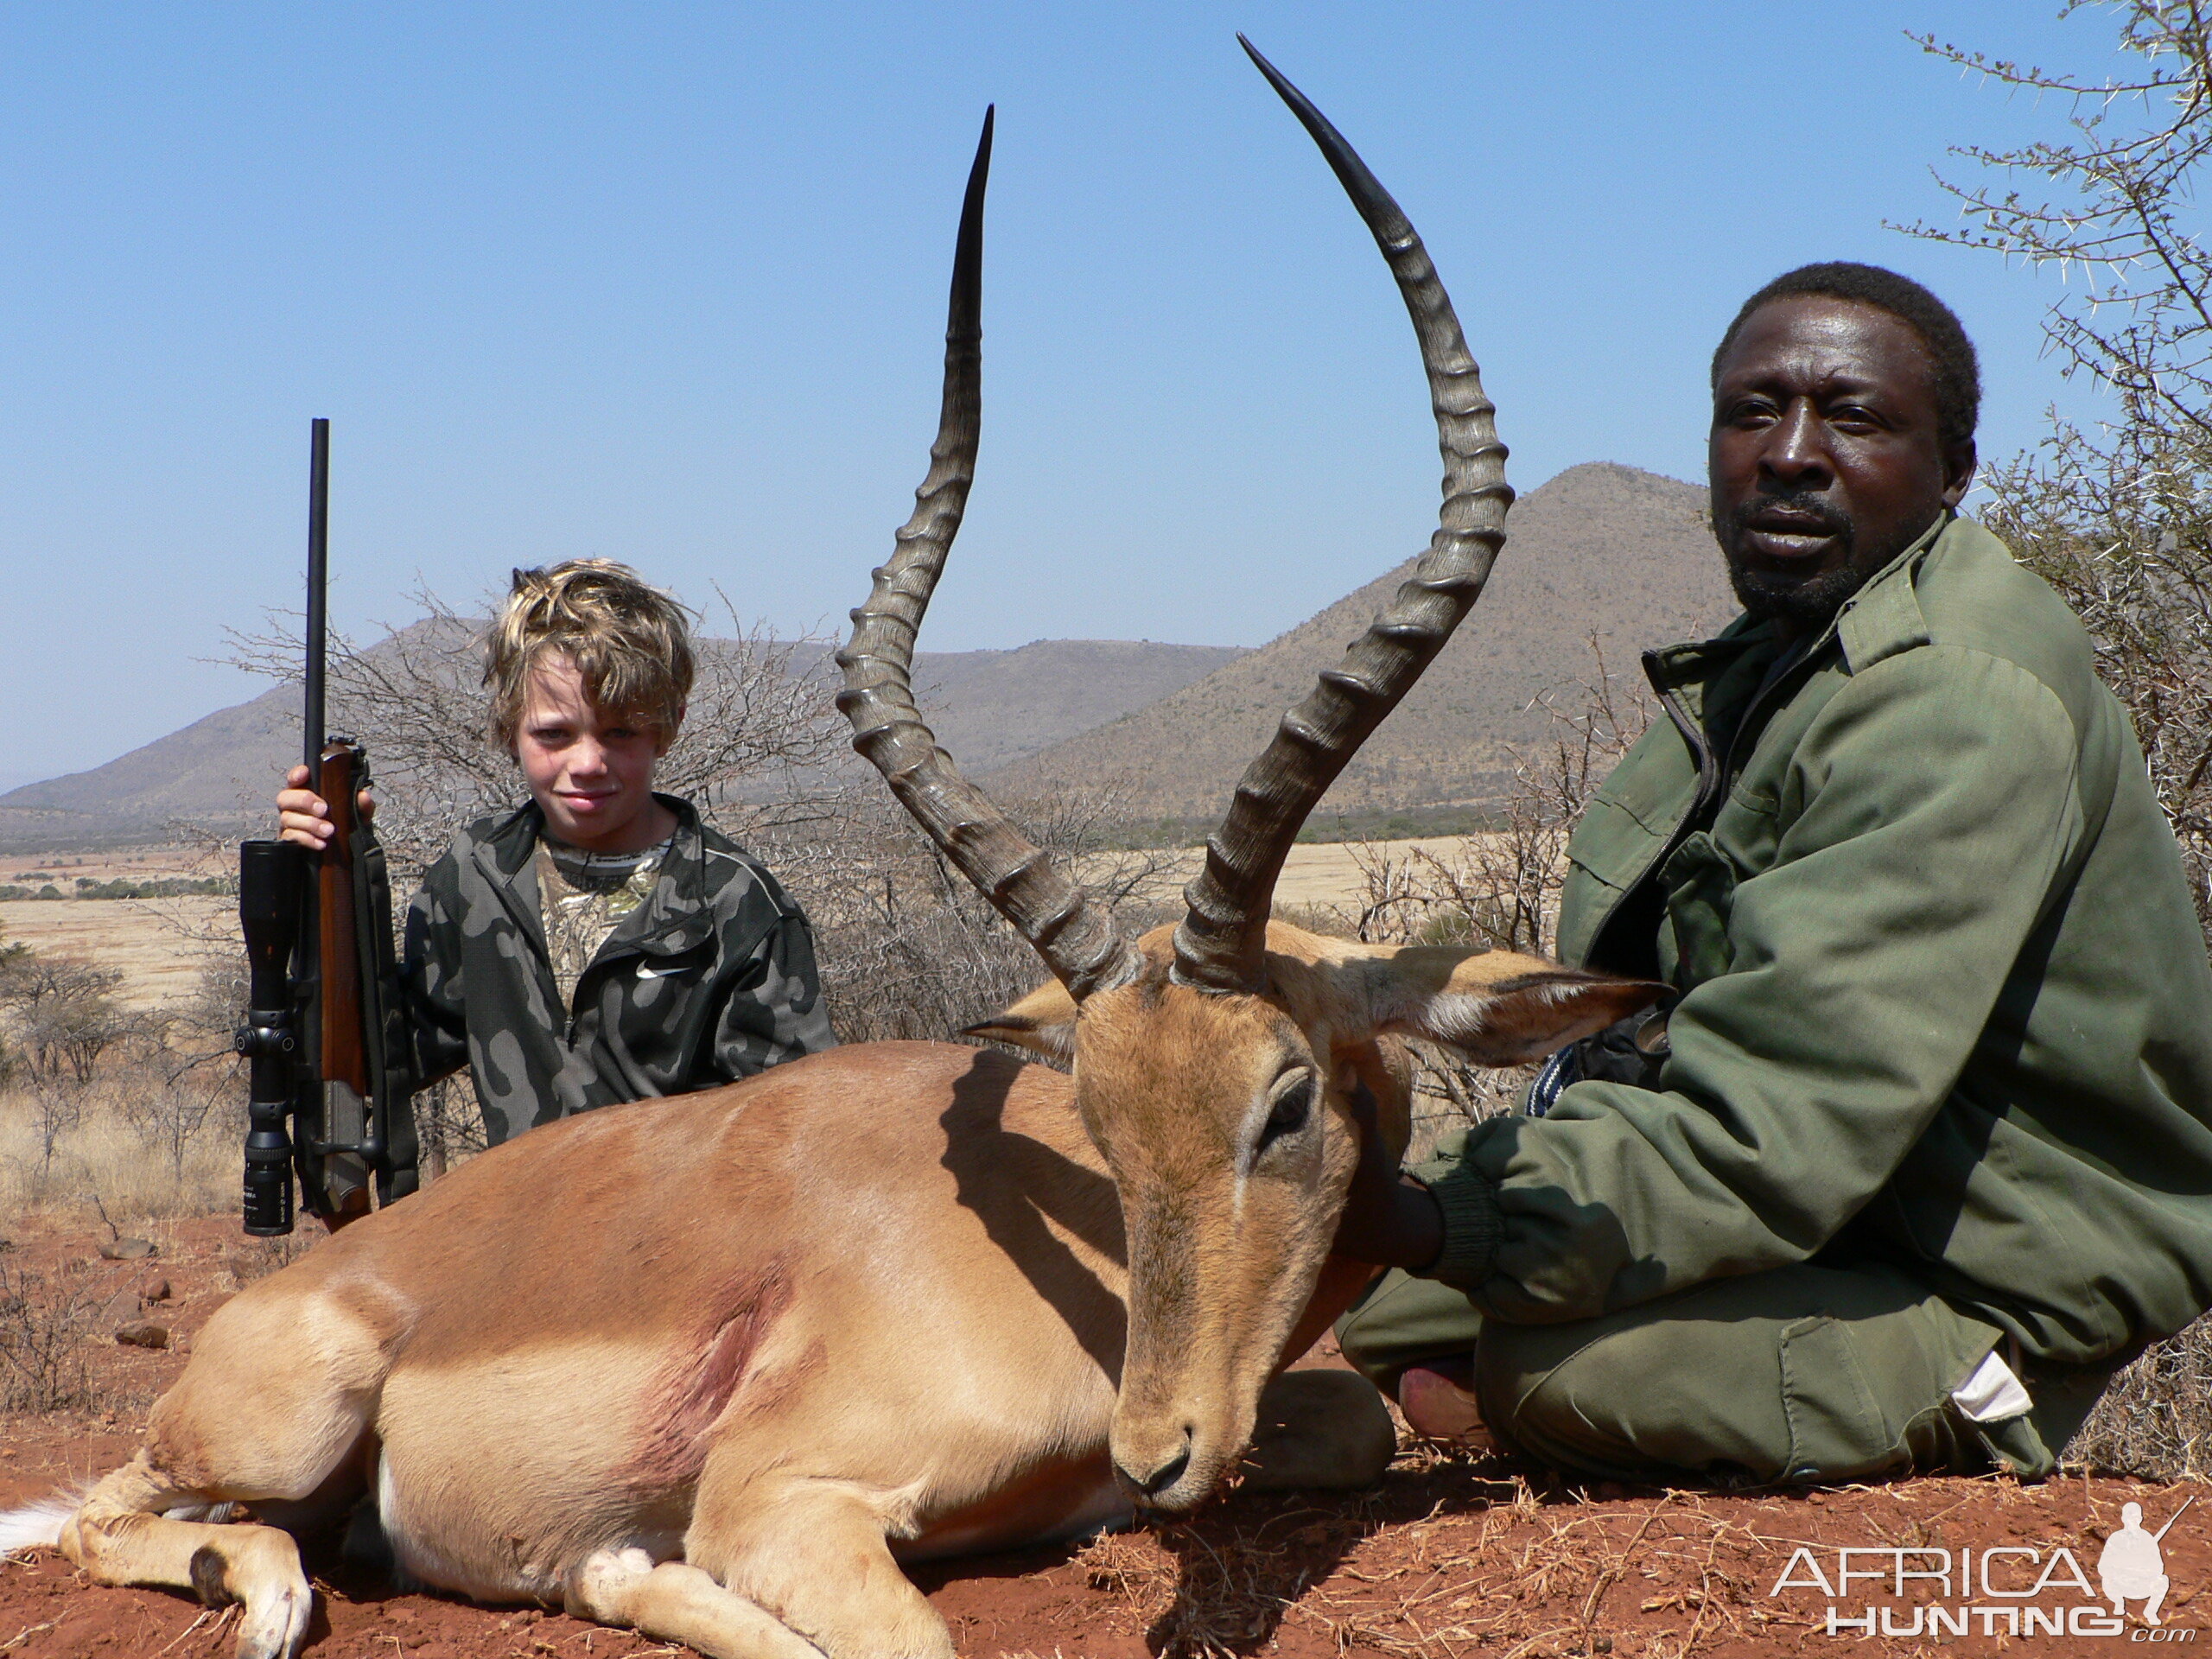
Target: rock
<point>144,1334</point>
<point>153,1289</point>
<point>128,1250</point>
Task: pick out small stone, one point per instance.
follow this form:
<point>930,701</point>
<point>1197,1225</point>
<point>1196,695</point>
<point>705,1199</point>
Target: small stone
<point>128,1250</point>
<point>144,1334</point>
<point>153,1289</point>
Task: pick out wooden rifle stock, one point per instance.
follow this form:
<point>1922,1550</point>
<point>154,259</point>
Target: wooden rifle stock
<point>327,1050</point>
<point>342,1054</point>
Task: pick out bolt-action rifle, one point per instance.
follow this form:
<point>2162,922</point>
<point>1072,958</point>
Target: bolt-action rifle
<point>331,1093</point>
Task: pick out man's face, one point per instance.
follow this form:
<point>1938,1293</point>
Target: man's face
<point>1824,457</point>
<point>591,772</point>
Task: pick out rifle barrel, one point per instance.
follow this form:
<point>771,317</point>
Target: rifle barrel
<point>318,585</point>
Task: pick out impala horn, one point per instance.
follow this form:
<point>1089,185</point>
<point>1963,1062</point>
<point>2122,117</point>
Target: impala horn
<point>1221,942</point>
<point>1069,928</point>
<point>1220,945</point>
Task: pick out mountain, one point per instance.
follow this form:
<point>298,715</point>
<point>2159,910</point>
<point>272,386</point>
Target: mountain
<point>990,707</point>
<point>1600,549</point>
<point>215,770</point>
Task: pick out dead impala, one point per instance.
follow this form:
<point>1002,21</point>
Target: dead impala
<point>712,1366</point>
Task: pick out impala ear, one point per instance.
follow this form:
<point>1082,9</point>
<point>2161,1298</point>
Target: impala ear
<point>1501,1009</point>
<point>1043,1022</point>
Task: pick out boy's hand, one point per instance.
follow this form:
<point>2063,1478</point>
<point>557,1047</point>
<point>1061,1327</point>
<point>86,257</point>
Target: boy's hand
<point>304,817</point>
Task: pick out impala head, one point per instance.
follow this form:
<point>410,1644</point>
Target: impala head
<point>1217,1063</point>
<point>1227,1120</point>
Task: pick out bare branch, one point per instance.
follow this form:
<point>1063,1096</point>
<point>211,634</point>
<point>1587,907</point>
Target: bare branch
<point>2120,520</point>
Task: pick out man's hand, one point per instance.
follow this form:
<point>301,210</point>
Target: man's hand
<point>304,817</point>
<point>1388,1219</point>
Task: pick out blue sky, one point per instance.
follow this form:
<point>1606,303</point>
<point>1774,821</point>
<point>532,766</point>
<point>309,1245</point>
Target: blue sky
<point>666,283</point>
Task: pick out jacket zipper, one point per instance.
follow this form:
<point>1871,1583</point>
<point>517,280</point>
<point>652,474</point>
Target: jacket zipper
<point>1707,776</point>
<point>1712,769</point>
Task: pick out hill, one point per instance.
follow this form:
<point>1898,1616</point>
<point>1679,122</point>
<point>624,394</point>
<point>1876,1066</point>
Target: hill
<point>994,708</point>
<point>997,706</point>
<point>1600,549</point>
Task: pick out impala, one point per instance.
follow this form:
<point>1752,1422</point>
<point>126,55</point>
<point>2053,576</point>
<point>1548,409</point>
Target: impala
<point>713,1366</point>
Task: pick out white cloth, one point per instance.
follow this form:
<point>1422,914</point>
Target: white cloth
<point>1992,1394</point>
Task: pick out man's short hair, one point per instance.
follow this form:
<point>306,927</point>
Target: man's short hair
<point>1950,353</point>
<point>631,644</point>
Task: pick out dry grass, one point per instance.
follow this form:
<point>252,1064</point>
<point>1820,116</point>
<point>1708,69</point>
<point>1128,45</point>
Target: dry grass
<point>157,944</point>
<point>2155,1420</point>
<point>147,1145</point>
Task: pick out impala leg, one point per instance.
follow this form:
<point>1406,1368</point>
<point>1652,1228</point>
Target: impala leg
<point>272,1409</point>
<point>673,1602</point>
<point>817,1557</point>
<point>120,1536</point>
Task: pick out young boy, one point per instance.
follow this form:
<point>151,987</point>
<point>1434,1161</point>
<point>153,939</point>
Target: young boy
<point>599,943</point>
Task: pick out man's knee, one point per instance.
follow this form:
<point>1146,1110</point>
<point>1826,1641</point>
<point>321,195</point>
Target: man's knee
<point>1628,1401</point>
<point>1741,1379</point>
<point>1402,1319</point>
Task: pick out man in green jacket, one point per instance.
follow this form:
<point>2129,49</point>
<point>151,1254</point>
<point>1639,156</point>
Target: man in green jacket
<point>1923,1149</point>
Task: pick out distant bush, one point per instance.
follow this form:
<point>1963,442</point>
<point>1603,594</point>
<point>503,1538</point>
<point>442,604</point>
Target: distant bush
<point>161,887</point>
<point>167,886</point>
<point>908,949</point>
<point>59,1013</point>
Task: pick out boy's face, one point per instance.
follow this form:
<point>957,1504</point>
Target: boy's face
<point>590,772</point>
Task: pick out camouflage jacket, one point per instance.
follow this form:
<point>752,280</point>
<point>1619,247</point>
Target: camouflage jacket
<point>711,979</point>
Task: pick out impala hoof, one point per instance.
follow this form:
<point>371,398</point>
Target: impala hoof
<point>601,1586</point>
<point>275,1625</point>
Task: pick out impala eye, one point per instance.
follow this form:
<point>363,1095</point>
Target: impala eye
<point>1288,1115</point>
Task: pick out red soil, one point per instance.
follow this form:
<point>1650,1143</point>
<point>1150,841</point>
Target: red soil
<point>1450,1557</point>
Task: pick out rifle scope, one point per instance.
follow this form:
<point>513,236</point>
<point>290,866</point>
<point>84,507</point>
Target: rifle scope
<point>271,878</point>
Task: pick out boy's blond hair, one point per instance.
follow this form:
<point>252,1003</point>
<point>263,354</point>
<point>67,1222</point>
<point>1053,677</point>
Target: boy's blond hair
<point>631,644</point>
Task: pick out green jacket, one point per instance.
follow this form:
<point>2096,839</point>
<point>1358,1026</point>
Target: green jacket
<point>1945,1000</point>
<point>710,980</point>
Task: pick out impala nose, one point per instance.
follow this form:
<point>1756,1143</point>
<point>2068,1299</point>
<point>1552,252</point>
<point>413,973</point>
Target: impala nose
<point>1161,1478</point>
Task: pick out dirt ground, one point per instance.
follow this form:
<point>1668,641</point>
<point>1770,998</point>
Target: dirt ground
<point>1322,874</point>
<point>159,945</point>
<point>1452,1556</point>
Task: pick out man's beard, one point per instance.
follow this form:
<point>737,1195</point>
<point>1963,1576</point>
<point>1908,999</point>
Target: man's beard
<point>1809,603</point>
